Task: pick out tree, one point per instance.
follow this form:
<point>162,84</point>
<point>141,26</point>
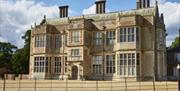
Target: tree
<point>20,59</point>
<point>6,52</point>
<point>175,43</point>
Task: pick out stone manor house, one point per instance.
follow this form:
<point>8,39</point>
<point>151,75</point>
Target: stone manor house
<point>102,46</point>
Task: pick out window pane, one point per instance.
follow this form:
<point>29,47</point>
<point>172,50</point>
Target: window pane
<point>57,65</point>
<point>177,57</point>
<point>97,62</point>
<point>127,34</point>
<point>75,36</point>
<point>40,64</point>
<point>58,41</point>
<point>126,64</point>
<point>98,38</point>
<point>110,64</point>
<point>75,52</point>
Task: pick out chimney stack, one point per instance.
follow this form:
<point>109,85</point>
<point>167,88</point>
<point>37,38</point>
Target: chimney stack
<point>100,6</point>
<point>138,4</point>
<point>143,4</point>
<point>63,11</point>
<point>148,3</point>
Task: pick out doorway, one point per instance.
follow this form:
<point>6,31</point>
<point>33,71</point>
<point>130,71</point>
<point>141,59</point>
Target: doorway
<point>74,72</point>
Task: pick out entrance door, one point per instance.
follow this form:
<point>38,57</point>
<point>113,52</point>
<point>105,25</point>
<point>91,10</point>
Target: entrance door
<point>74,73</point>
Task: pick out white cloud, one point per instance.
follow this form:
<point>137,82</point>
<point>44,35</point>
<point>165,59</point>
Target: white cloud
<point>90,10</point>
<point>2,39</point>
<point>171,13</point>
<point>17,17</point>
<point>159,1</point>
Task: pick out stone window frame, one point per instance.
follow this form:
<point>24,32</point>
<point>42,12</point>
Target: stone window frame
<point>128,34</point>
<point>39,40</point>
<point>110,37</point>
<point>75,36</point>
<point>98,38</point>
<point>110,64</point>
<point>48,40</point>
<point>40,64</point>
<point>57,65</point>
<point>75,52</point>
<point>128,64</point>
<point>131,34</point>
<point>97,64</point>
<point>58,40</point>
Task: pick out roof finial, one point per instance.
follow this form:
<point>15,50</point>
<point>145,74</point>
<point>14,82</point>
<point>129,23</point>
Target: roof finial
<point>44,17</point>
<point>43,21</point>
<point>35,24</point>
<point>156,3</point>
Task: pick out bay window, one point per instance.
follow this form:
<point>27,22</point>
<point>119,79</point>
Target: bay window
<point>110,37</point>
<point>39,40</point>
<point>97,64</point>
<point>57,65</point>
<point>98,40</point>
<point>75,37</point>
<point>127,64</point>
<point>48,41</point>
<point>127,34</point>
<point>41,64</point>
<point>58,41</point>
<point>110,64</point>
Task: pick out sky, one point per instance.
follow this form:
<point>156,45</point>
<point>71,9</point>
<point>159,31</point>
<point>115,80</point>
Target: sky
<point>17,16</point>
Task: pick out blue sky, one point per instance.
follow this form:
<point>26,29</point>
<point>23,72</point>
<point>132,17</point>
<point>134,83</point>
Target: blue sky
<point>111,5</point>
<point>18,15</point>
<point>79,5</point>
